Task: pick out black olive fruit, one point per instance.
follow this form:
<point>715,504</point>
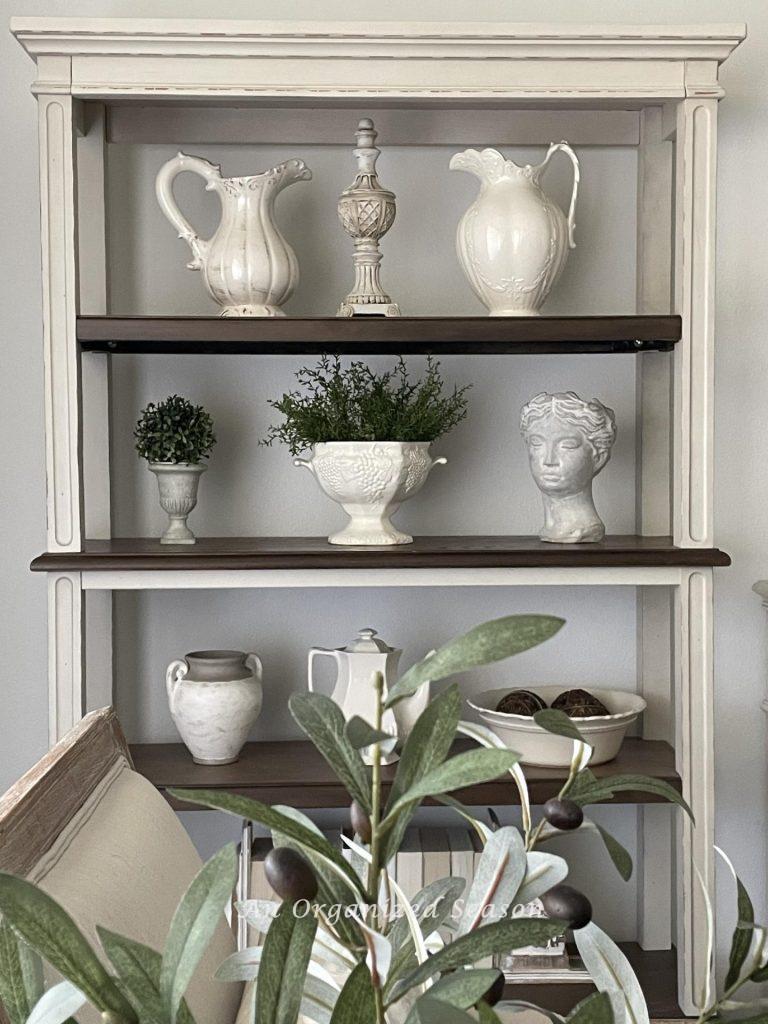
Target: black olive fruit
<point>520,702</point>
<point>290,874</point>
<point>360,821</point>
<point>563,814</point>
<point>567,904</point>
<point>579,704</point>
<point>496,991</point>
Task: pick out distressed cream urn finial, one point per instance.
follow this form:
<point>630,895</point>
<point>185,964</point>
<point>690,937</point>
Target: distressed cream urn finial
<point>366,212</point>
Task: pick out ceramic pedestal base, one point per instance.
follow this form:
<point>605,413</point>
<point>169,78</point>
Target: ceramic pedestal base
<point>369,531</point>
<point>369,309</point>
<point>251,311</point>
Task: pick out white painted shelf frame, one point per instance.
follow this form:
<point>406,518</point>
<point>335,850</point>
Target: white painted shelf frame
<point>654,87</point>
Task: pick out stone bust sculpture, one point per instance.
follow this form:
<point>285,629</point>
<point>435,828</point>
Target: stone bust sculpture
<point>569,441</point>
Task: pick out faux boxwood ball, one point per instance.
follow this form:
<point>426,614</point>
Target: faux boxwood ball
<point>579,704</point>
<point>520,702</point>
<point>174,431</point>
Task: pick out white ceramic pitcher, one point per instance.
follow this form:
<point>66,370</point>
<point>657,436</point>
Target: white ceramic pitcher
<point>247,265</point>
<point>513,241</point>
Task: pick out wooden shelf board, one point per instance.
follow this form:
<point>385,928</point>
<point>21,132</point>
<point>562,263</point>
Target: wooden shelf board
<point>239,553</point>
<point>480,335</point>
<point>293,772</point>
<point>656,971</point>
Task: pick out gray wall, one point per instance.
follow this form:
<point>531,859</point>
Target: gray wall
<point>484,488</point>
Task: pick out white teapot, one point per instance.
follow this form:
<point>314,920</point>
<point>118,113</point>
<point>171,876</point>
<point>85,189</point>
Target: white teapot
<point>354,691</point>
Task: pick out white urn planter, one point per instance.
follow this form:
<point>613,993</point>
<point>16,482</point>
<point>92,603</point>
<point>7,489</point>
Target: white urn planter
<point>177,483</point>
<point>215,698</point>
<point>370,480</point>
<point>247,265</point>
<point>513,241</point>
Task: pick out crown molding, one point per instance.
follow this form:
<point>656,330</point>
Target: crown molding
<point>478,40</point>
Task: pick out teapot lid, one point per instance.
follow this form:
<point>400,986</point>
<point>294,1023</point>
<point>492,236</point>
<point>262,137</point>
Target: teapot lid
<point>368,642</point>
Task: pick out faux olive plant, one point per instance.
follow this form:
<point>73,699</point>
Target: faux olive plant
<point>357,404</point>
<point>335,952</point>
<point>174,431</point>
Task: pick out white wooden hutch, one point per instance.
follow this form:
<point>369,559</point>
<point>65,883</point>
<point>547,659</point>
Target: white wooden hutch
<point>655,87</point>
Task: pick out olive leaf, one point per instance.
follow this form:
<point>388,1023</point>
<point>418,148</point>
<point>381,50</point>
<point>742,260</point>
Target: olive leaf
<point>360,734</point>
<point>426,746</point>
<point>49,930</point>
<point>195,920</point>
<point>588,789</point>
<point>499,937</point>
<point>621,859</point>
<point>466,769</point>
<point>431,906</point>
<point>498,874</point>
<point>595,1009</point>
<point>323,721</point>
<point>543,871</point>
<point>356,1002</point>
<point>430,1010</point>
<point>58,1004</point>
<point>486,643</point>
<point>283,967</point>
<point>138,970</point>
<point>463,989</point>
<point>254,810</point>
<point>21,976</point>
<point>612,973</point>
<point>557,722</point>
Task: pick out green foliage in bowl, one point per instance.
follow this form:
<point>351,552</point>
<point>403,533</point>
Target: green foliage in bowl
<point>358,404</point>
<point>174,431</point>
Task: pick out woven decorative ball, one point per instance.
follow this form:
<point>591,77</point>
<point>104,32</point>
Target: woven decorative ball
<point>520,702</point>
<point>579,704</point>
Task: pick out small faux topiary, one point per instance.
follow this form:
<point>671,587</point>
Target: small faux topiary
<point>174,431</point>
<point>357,404</point>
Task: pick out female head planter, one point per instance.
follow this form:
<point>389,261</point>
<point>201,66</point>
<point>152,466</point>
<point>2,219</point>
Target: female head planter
<point>569,441</point>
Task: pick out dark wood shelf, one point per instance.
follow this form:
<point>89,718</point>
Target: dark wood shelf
<point>293,772</point>
<point>237,553</point>
<point>656,971</point>
<point>479,335</point>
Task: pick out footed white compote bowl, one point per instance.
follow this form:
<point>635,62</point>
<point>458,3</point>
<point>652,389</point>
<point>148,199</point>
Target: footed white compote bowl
<point>370,480</point>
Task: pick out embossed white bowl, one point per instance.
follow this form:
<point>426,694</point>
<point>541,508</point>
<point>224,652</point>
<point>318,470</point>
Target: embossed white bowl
<point>545,750</point>
<point>370,480</point>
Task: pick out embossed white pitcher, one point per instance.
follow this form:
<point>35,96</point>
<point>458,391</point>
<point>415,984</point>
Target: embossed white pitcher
<point>513,241</point>
<point>247,265</point>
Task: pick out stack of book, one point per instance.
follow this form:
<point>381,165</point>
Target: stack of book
<point>426,855</point>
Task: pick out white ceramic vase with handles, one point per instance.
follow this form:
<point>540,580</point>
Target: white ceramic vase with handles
<point>353,689</point>
<point>215,698</point>
<point>513,241</point>
<point>247,265</point>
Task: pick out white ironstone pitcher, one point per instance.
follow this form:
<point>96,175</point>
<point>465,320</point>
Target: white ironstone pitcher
<point>513,241</point>
<point>247,265</point>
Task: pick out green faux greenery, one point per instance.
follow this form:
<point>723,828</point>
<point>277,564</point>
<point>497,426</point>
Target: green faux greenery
<point>174,431</point>
<point>384,967</point>
<point>357,404</point>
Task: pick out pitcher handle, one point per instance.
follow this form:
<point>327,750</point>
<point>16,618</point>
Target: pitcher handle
<point>253,662</point>
<point>174,674</point>
<point>563,147</point>
<point>164,192</point>
<point>315,652</point>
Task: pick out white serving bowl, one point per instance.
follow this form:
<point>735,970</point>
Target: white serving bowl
<point>537,747</point>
